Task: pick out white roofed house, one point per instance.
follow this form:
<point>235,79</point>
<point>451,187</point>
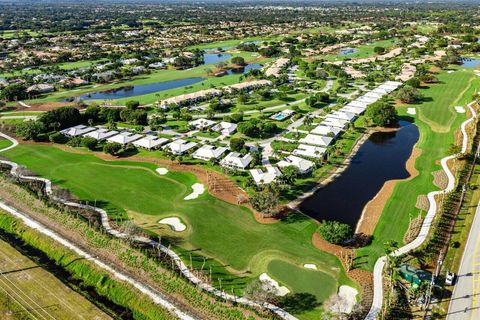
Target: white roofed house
<point>150,142</point>
<point>357,104</point>
<point>315,140</point>
<point>374,95</point>
<point>367,99</point>
<point>349,116</point>
<point>334,122</point>
<point>380,90</point>
<point>235,160</point>
<point>208,152</point>
<point>354,110</point>
<point>225,128</point>
<point>77,131</point>
<point>180,146</point>
<point>265,177</point>
<point>101,134</point>
<point>309,151</point>
<point>201,123</point>
<point>124,138</point>
<point>327,131</point>
<point>304,166</point>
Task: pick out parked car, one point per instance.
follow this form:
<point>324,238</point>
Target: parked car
<point>450,279</point>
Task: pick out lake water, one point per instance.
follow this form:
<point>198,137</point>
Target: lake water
<point>141,89</point>
<point>470,63</point>
<point>248,67</point>
<point>381,158</point>
<point>347,51</point>
<point>158,86</point>
<point>212,58</point>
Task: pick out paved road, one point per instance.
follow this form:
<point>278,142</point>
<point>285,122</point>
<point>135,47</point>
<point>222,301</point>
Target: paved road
<point>464,304</point>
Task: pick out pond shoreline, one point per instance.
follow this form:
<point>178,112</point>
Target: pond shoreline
<point>371,209</point>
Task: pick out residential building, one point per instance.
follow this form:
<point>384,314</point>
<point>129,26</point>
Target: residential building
<point>265,177</point>
<point>101,134</point>
<point>309,151</point>
<point>150,142</point>
<point>180,146</point>
<point>315,140</point>
<point>236,161</point>
<point>77,131</point>
<point>327,131</point>
<point>201,123</point>
<point>304,166</point>
<point>208,152</point>
<point>225,128</point>
<point>124,138</point>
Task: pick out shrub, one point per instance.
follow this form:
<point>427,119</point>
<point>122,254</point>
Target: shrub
<point>89,143</point>
<point>30,130</point>
<point>335,232</point>
<point>61,118</point>
<point>57,137</point>
<point>112,148</point>
<point>409,94</point>
<point>132,104</point>
<point>238,60</point>
<point>237,144</point>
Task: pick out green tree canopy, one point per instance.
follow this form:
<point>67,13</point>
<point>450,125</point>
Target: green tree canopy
<point>335,232</point>
<point>381,113</point>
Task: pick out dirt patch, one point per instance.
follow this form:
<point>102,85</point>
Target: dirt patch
<point>373,209</point>
<point>47,106</point>
<point>422,203</point>
<point>440,179</point>
<point>413,229</point>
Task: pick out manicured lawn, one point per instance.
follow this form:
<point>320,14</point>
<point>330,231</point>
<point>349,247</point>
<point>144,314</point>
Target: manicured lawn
<point>227,233</point>
<point>4,143</point>
<point>432,116</point>
<point>301,279</point>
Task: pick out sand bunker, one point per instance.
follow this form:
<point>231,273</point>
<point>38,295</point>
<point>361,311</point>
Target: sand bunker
<point>310,266</point>
<point>198,189</point>
<point>346,300</point>
<point>175,223</point>
<point>162,171</point>
<point>460,109</point>
<point>411,111</point>
<point>270,283</point>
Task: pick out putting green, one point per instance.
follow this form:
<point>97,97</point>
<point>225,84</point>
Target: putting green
<point>227,234</point>
<point>299,279</point>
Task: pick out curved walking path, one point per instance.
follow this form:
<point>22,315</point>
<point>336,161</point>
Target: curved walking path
<point>156,297</point>
<point>427,222</point>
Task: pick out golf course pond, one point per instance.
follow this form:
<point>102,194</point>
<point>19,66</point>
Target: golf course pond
<point>133,91</point>
<point>470,62</point>
<point>382,157</point>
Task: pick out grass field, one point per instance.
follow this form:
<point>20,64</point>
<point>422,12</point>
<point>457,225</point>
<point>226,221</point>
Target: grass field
<point>4,143</point>
<point>227,233</point>
<point>39,291</point>
<point>437,121</point>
